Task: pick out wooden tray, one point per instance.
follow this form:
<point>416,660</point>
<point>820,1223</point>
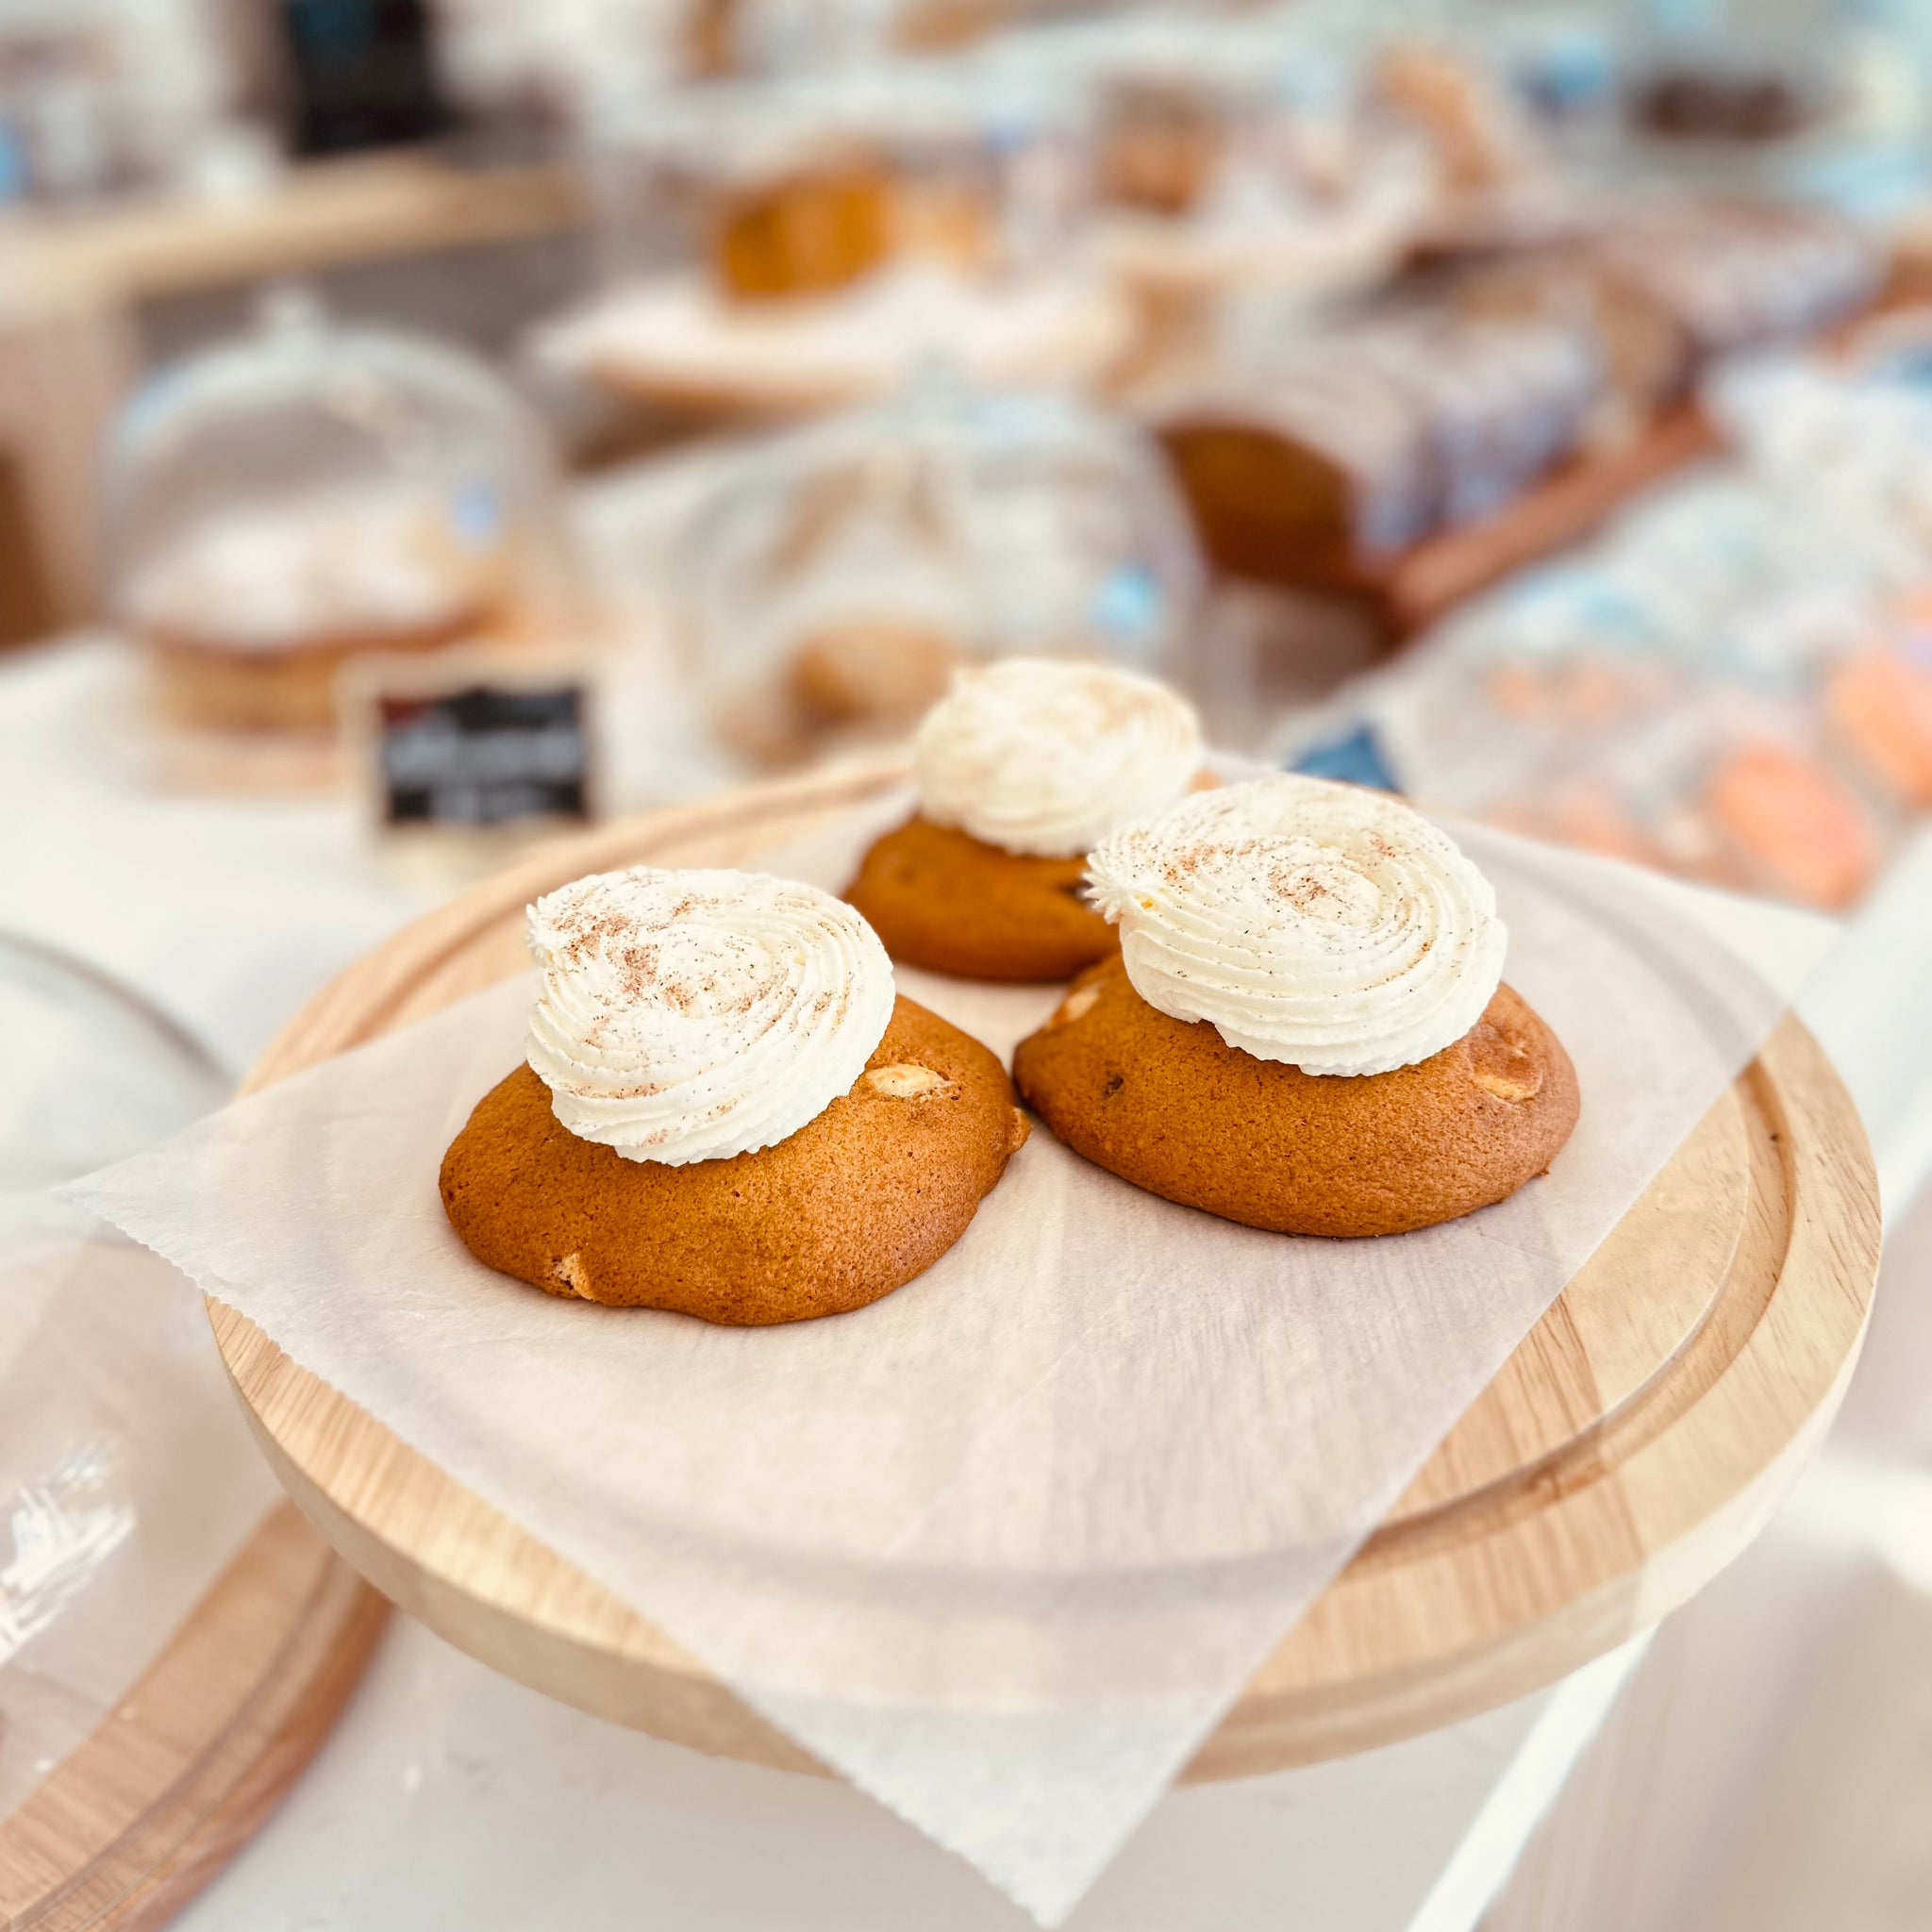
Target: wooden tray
<point>1629,1449</point>
<point>1411,589</point>
<point>138,1820</point>
<point>1427,582</point>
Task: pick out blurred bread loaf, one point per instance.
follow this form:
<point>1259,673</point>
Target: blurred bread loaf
<point>1347,450</point>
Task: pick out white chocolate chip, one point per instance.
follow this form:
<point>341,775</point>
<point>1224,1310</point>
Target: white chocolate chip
<point>1076,1005</point>
<point>906,1081</point>
<point>1503,1066</point>
<point>571,1272</point>
<point>1515,1088</point>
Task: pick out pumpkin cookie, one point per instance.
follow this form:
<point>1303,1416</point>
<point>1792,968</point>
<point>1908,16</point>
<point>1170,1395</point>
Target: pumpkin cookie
<point>1306,1029</point>
<point>1167,1105</point>
<point>1023,767</point>
<point>727,1111</point>
<point>942,899</point>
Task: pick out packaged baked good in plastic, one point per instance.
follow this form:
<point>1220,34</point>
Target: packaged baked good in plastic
<point>1740,792</point>
<point>1667,286</point>
<point>1327,457</point>
<point>1735,274</point>
<point>1734,684</point>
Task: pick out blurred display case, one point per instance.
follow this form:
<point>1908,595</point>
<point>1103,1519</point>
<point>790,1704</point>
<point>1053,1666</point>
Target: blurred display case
<point>1735,682</point>
<point>784,247</point>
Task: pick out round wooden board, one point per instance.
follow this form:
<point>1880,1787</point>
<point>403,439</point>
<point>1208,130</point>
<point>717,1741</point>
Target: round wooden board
<point>132,1824</point>
<point>1632,1445</point>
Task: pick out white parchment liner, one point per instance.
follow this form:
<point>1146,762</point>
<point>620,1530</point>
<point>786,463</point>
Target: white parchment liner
<point>1004,1546</point>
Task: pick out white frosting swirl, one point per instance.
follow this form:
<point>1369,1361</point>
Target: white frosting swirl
<point>693,1015</point>
<point>1316,923</point>
<point>1044,755</point>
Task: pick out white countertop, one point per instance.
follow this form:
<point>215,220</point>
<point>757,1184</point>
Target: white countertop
<point>452,1800</point>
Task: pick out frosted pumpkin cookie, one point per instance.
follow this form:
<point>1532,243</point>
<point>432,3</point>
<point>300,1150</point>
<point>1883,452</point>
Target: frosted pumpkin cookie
<point>1307,1028</point>
<point>726,1110</point>
<point>1022,769</point>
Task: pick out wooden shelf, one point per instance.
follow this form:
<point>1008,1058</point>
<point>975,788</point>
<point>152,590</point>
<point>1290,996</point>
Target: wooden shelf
<point>319,215</point>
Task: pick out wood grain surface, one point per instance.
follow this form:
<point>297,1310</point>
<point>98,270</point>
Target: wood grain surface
<point>1630,1447</point>
<point>139,1818</point>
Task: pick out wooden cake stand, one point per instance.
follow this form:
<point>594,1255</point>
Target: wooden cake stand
<point>1629,1449</point>
<point>131,1825</point>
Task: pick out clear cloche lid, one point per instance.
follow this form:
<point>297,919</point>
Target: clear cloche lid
<point>884,161</point>
<point>94,1075</point>
<point>836,580</point>
<point>311,479</point>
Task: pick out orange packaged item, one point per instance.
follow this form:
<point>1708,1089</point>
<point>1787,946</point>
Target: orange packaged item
<point>1796,829</point>
<point>1881,706</point>
<point>1587,814</point>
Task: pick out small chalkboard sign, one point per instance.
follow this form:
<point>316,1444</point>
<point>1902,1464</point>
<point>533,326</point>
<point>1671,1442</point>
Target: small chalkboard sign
<point>483,753</point>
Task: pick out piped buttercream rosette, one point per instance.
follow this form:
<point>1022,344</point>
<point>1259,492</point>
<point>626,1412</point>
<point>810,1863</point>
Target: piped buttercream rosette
<point>1319,925</point>
<point>690,1016</point>
<point>1045,756</point>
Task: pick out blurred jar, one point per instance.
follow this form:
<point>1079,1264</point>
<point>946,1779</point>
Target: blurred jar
<point>312,494</point>
<point>832,585</point>
<point>804,188</point>
<point>769,191</point>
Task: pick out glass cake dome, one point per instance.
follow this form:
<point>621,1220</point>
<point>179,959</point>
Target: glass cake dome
<point>812,185</point>
<point>312,492</point>
<point>835,580</point>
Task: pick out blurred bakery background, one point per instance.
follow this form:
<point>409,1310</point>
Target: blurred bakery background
<point>426,425</point>
<point>1525,407</point>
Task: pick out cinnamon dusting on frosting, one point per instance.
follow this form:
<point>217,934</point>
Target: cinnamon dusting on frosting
<point>1319,925</point>
<point>690,1016</point>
